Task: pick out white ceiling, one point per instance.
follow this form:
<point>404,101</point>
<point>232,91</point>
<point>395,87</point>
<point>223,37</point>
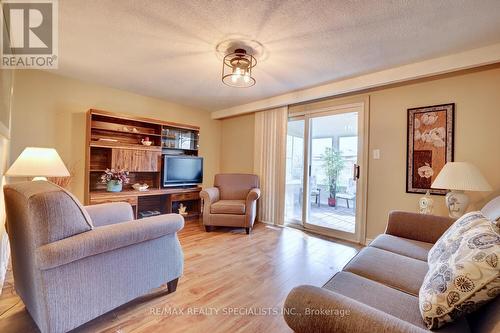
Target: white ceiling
<point>166,49</point>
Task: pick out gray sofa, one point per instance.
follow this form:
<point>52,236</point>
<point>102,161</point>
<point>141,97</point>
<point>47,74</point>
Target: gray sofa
<point>377,291</point>
<point>72,263</point>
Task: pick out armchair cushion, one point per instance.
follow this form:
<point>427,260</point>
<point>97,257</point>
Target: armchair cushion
<point>106,238</point>
<point>110,213</point>
<point>228,207</point>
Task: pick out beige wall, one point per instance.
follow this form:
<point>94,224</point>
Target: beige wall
<point>6,88</point>
<point>477,138</point>
<point>237,144</point>
<point>49,111</point>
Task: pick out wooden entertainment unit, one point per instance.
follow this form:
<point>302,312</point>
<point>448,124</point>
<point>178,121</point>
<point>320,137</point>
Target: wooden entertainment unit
<point>114,142</point>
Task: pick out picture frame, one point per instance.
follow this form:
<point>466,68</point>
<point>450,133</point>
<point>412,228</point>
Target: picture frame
<point>430,145</point>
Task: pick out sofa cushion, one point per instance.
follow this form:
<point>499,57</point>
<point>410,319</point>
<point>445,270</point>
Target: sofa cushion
<point>464,274</point>
<point>394,270</point>
<point>381,297</point>
<point>228,207</point>
<point>404,246</point>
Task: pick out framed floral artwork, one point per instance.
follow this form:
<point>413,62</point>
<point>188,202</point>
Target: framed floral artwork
<point>430,146</point>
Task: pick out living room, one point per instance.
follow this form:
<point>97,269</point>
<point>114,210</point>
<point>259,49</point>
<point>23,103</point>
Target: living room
<point>245,167</point>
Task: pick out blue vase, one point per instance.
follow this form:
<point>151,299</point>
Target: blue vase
<point>114,186</point>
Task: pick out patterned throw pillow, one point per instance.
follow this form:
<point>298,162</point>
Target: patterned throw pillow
<point>442,249</point>
<point>464,272</point>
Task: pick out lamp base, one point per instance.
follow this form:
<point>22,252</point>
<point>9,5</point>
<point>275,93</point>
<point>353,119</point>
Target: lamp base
<point>457,202</point>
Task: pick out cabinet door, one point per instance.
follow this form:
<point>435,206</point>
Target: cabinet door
<point>135,160</point>
<point>145,160</point>
<point>121,159</point>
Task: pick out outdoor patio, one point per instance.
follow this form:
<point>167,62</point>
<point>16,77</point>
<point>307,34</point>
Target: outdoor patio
<point>339,218</point>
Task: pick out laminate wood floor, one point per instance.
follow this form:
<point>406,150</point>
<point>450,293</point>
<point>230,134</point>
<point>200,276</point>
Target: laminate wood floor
<point>232,282</point>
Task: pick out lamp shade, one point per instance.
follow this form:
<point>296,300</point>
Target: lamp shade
<point>461,176</point>
<point>38,162</point>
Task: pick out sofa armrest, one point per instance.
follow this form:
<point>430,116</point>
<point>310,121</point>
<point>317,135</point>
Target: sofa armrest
<point>210,195</point>
<point>110,213</point>
<point>421,227</point>
<point>253,195</point>
<point>106,238</point>
<point>251,207</point>
<point>309,309</point>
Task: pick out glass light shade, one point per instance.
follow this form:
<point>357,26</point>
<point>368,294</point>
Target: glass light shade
<point>237,69</point>
<point>38,162</point>
<point>461,176</point>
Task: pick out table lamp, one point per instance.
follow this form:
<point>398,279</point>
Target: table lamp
<point>459,177</point>
<point>38,163</point>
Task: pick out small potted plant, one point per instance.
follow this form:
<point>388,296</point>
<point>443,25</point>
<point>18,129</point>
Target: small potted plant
<point>333,164</point>
<point>115,179</point>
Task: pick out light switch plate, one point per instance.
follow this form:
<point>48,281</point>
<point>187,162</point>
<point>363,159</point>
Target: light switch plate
<point>376,154</point>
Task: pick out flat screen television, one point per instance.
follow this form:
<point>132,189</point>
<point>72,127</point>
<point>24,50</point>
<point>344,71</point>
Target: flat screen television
<point>182,170</point>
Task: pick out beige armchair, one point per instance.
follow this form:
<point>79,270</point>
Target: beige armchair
<point>72,263</point>
<point>232,202</point>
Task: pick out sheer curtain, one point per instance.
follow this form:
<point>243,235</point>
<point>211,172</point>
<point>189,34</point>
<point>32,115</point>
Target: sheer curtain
<point>269,163</point>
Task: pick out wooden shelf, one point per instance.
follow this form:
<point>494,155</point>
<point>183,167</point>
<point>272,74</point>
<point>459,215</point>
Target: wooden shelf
<point>109,144</point>
<point>142,119</point>
<point>144,163</point>
<point>104,194</point>
<point>124,132</point>
<point>178,148</point>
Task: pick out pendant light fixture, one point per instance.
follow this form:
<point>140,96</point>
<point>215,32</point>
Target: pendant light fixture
<point>237,69</point>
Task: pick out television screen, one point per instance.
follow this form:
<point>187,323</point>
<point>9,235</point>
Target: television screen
<point>182,170</point>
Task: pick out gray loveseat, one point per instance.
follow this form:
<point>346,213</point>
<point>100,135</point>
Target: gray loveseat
<point>377,291</point>
<point>72,263</point>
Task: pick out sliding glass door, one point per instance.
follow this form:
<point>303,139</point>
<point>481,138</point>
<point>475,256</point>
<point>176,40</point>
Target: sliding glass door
<point>324,153</point>
<point>294,171</point>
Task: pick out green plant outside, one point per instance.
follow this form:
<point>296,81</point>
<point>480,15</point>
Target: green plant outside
<point>333,164</point>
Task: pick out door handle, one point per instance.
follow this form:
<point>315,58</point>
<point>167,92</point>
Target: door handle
<point>355,172</point>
